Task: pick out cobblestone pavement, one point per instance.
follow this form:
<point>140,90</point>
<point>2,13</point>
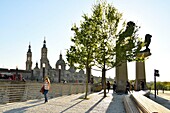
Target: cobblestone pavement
<point>113,103</point>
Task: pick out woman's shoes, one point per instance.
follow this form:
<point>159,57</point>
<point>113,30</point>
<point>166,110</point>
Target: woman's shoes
<point>45,102</point>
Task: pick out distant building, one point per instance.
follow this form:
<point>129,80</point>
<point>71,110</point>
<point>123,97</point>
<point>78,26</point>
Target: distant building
<point>69,75</point>
<point>36,73</point>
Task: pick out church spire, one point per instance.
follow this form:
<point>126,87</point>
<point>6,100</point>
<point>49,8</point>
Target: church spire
<point>36,65</point>
<point>29,58</point>
<point>29,47</point>
<point>44,45</point>
<point>60,55</point>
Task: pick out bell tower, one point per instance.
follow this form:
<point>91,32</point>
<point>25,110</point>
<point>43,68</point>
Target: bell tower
<point>44,59</point>
<point>29,59</point>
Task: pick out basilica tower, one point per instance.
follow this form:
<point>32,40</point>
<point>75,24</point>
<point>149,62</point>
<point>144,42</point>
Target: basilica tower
<point>29,59</point>
<point>44,59</point>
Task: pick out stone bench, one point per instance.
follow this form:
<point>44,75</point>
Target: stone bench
<point>146,105</point>
<point>130,106</point>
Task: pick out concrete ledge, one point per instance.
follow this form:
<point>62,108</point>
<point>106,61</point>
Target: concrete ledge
<point>148,106</point>
<point>130,106</point>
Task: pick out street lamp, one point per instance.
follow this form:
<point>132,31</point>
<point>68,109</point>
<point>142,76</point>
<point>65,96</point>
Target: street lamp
<point>43,71</point>
<point>17,78</point>
<point>59,77</point>
<point>156,74</point>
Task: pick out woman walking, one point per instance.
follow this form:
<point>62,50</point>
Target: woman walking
<point>46,88</point>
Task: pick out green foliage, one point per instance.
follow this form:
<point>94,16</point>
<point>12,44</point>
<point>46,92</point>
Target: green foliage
<point>108,18</point>
<point>99,41</point>
<point>159,85</point>
<point>84,44</point>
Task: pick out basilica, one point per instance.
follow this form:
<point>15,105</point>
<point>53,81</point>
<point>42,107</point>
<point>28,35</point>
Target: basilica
<point>57,74</point>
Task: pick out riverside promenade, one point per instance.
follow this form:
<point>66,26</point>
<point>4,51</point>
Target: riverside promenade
<point>75,103</point>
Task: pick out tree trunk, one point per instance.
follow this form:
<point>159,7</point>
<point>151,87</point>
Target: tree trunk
<point>87,79</point>
<point>86,86</point>
<point>104,81</point>
<point>89,73</point>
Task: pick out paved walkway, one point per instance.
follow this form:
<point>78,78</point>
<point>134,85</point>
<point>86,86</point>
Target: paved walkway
<point>162,98</point>
<point>113,103</point>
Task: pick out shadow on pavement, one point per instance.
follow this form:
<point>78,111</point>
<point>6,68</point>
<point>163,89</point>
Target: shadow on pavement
<point>94,105</point>
<point>116,105</point>
<point>21,110</point>
<point>164,102</point>
<point>71,106</point>
<point>35,101</point>
<point>80,97</point>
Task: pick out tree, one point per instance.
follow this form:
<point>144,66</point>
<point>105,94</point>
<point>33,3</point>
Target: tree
<point>109,18</point>
<point>97,41</point>
<point>114,46</point>
<point>81,53</point>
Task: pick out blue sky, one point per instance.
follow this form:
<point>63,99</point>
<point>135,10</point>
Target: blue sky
<point>24,21</point>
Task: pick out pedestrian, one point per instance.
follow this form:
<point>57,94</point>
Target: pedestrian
<point>46,88</point>
<point>127,87</point>
<point>114,87</point>
<point>108,86</point>
<point>142,85</point>
<point>133,86</point>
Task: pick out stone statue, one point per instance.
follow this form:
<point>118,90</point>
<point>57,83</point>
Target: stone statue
<point>147,42</point>
<point>128,31</point>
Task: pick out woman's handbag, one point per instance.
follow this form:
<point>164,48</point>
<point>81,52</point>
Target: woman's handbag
<point>42,90</point>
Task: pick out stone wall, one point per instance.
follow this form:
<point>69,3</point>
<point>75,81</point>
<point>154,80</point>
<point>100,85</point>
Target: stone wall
<point>13,91</point>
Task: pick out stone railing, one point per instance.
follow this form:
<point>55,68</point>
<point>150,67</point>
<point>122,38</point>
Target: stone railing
<point>22,91</point>
<point>146,105</point>
<point>139,103</point>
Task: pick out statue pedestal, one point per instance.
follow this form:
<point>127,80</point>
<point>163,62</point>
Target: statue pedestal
<point>140,75</point>
<point>140,71</point>
<point>121,77</point>
<point>144,54</point>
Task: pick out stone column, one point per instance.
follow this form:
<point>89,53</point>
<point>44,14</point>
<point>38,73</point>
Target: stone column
<point>140,71</point>
<point>121,77</point>
<point>140,75</point>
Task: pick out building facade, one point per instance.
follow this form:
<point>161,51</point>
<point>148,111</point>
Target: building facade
<point>57,74</point>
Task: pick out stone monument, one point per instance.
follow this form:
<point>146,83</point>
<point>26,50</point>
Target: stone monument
<point>121,70</point>
<point>121,77</point>
<point>140,66</point>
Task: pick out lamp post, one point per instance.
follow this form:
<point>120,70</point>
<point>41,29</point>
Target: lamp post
<point>32,75</point>
<point>156,74</point>
<point>59,77</point>
<point>43,71</point>
<point>17,78</point>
